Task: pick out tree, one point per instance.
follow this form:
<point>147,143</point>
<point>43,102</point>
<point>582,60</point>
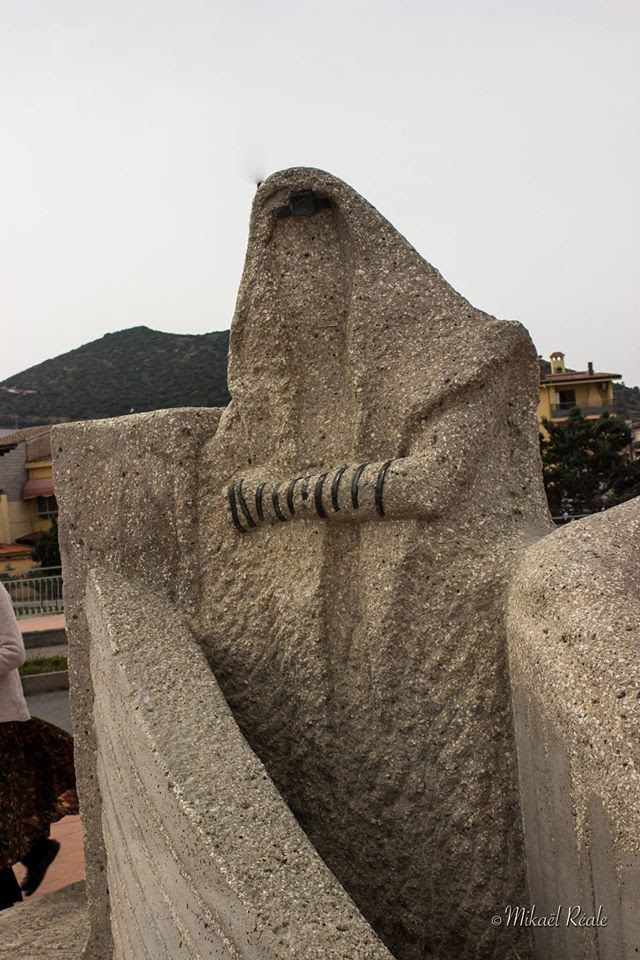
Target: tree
<point>586,464</point>
<point>46,551</point>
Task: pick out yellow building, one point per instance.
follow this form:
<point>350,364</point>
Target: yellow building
<point>561,390</point>
<point>15,558</point>
<point>27,501</point>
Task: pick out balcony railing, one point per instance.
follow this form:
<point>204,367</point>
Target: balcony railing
<point>38,594</point>
<point>563,409</point>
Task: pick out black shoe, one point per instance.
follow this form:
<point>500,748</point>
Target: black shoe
<point>9,889</point>
<point>37,863</point>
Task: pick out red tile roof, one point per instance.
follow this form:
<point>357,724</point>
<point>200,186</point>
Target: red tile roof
<point>14,549</point>
<point>27,433</point>
<point>577,375</point>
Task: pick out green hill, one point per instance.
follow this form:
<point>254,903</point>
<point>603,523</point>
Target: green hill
<point>136,369</point>
<point>142,369</point>
<point>627,401</point>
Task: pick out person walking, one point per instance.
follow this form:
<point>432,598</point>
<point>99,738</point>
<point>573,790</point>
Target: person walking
<point>37,779</point>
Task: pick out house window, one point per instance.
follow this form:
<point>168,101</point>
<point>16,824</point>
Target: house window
<point>566,399</point>
<point>47,508</point>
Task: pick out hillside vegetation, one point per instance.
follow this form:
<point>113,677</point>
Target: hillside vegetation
<point>142,369</point>
<point>627,401</point>
<point>132,370</point>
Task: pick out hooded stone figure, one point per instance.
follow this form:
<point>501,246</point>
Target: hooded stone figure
<point>361,503</point>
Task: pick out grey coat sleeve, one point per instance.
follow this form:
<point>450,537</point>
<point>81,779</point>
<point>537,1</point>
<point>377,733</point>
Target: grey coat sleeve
<point>12,654</point>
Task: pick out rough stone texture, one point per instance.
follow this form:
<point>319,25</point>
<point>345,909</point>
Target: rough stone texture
<point>53,927</point>
<point>365,657</point>
<point>205,860</point>
<point>127,495</point>
<point>574,639</point>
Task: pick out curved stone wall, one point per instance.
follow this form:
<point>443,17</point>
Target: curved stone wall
<point>574,635</point>
<point>204,858</point>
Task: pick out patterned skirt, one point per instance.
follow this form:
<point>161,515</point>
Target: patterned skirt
<point>37,784</point>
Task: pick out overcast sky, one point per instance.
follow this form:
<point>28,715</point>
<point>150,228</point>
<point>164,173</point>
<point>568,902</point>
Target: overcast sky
<point>502,139</point>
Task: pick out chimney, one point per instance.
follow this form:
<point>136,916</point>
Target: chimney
<point>557,361</point>
<point>590,366</point>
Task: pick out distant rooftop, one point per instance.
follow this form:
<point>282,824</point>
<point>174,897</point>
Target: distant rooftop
<point>578,375</point>
<point>14,550</point>
<point>11,440</point>
<point>557,372</point>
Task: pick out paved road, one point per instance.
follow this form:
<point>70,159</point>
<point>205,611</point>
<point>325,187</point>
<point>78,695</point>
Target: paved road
<point>53,707</point>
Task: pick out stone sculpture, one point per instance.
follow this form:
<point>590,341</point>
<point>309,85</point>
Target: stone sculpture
<point>340,544</point>
<point>364,655</point>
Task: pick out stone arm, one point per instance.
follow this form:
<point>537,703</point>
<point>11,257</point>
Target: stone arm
<point>420,485</point>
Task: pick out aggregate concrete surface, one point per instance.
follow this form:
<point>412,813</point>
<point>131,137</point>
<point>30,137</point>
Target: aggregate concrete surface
<point>574,639</point>
<point>53,927</point>
<point>136,467</point>
<point>364,655</point>
<point>339,542</point>
<point>201,848</point>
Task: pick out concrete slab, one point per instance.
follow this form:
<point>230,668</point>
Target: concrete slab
<point>52,927</point>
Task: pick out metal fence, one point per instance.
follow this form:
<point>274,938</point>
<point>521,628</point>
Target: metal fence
<point>37,594</point>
